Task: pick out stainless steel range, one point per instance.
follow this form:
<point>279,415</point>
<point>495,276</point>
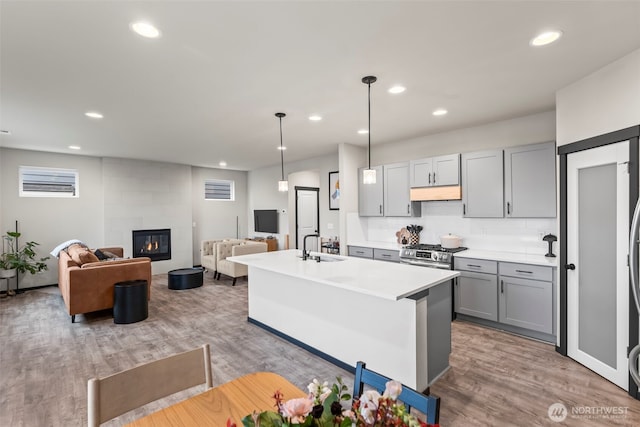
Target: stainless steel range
<point>434,256</point>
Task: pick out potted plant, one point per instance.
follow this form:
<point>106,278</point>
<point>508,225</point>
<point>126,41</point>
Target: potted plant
<point>19,259</point>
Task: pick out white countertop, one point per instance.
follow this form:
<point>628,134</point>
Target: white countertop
<point>378,245</point>
<point>386,280</point>
<point>509,257</point>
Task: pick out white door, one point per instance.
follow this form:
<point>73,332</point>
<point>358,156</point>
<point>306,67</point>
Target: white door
<point>307,217</point>
<point>597,245</point>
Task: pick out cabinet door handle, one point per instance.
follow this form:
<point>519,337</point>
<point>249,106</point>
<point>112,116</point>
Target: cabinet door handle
<point>429,177</point>
<point>464,209</point>
<point>385,255</point>
<point>502,286</point>
<point>409,208</point>
<point>524,271</point>
<point>508,208</point>
<point>474,266</point>
<point>434,177</point>
<point>380,208</point>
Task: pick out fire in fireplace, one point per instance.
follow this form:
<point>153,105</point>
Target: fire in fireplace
<point>155,244</point>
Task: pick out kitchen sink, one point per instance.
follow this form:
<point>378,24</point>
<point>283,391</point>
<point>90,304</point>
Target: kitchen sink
<point>313,258</point>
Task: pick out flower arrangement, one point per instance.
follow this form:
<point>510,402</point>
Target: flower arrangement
<point>323,407</point>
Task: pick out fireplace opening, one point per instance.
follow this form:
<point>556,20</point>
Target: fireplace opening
<point>155,244</point>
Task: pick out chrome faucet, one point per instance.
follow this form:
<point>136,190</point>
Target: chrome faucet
<point>305,253</point>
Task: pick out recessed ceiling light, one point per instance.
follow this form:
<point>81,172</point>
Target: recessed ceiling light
<point>222,163</point>
<point>93,114</point>
<point>315,118</point>
<point>282,148</point>
<point>74,147</point>
<point>4,132</point>
<point>397,89</point>
<point>363,131</point>
<point>145,29</point>
<point>545,38</point>
<point>439,112</point>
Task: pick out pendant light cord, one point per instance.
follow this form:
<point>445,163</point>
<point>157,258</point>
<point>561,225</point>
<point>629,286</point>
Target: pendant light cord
<point>369,133</point>
<point>281,151</point>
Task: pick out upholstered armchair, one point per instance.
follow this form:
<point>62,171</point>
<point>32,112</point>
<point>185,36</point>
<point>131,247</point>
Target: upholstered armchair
<point>208,254</point>
<point>225,250</point>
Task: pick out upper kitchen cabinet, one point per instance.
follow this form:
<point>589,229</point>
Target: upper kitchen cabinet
<point>435,171</point>
<point>483,184</point>
<point>397,201</point>
<point>530,181</point>
<point>370,196</point>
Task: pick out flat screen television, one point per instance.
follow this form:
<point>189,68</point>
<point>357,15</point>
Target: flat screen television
<point>265,221</point>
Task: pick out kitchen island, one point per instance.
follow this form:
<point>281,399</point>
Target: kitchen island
<point>394,317</point>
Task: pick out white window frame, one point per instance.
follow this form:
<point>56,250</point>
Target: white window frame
<point>22,170</point>
<point>232,189</point>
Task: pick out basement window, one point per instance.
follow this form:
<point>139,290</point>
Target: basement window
<point>48,182</point>
<point>219,189</point>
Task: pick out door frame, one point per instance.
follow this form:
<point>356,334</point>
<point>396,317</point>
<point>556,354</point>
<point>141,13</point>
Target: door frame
<point>317,190</point>
<point>631,134</point>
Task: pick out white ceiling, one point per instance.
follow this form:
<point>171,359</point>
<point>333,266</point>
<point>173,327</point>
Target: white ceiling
<point>208,88</point>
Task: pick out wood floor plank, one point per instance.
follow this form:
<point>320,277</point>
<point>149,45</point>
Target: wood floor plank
<point>496,378</point>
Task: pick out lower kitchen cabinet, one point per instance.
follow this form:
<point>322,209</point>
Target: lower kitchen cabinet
<point>475,294</point>
<point>511,296</point>
<point>386,255</point>
<point>526,303</point>
<point>360,252</point>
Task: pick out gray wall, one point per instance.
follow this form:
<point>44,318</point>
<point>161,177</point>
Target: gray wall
<point>264,194</point>
<point>50,221</point>
<point>215,219</point>
<point>142,195</point>
<point>505,133</point>
<point>602,102</point>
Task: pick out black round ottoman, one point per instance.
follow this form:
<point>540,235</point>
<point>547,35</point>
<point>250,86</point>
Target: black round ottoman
<point>185,278</point>
<point>130,301</point>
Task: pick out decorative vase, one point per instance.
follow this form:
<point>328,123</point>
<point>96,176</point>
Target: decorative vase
<point>414,238</point>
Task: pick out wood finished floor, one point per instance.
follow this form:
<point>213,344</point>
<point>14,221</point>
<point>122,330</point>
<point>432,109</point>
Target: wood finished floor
<point>495,378</point>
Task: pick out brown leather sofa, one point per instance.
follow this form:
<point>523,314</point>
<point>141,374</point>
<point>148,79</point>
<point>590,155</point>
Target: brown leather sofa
<point>89,287</point>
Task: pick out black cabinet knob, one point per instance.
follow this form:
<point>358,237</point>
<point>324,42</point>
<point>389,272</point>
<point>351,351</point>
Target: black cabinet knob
<point>570,266</point>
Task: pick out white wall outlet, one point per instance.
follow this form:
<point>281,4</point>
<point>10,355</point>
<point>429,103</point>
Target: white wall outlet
<point>330,226</point>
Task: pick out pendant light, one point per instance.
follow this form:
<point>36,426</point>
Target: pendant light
<point>369,175</point>
<point>283,185</point>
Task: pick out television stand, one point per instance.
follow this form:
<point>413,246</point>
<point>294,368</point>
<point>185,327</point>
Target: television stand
<point>272,244</point>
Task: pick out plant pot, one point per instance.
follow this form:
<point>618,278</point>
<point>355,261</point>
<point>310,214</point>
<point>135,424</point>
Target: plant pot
<point>6,274</point>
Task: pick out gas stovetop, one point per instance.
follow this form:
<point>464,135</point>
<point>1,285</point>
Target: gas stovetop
<point>438,248</point>
<point>429,255</point>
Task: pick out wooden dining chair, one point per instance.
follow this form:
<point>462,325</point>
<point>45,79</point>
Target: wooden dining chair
<point>429,405</point>
<point>124,391</point>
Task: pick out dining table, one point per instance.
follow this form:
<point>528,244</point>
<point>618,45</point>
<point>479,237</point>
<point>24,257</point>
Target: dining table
<point>232,400</point>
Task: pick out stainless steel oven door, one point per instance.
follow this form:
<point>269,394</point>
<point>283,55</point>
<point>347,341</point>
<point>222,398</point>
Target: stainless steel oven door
<point>432,264</point>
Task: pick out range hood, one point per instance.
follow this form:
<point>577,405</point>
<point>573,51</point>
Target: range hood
<point>425,194</point>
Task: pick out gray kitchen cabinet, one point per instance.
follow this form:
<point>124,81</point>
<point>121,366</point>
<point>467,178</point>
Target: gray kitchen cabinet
<point>397,201</point>
<point>370,196</point>
<point>482,184</point>
<point>435,171</point>
<point>526,296</point>
<point>475,294</point>
<point>386,255</point>
<point>360,252</point>
<point>530,181</point>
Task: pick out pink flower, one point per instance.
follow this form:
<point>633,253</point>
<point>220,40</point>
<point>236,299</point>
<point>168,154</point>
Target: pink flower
<point>369,405</point>
<point>392,390</point>
<point>296,410</point>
